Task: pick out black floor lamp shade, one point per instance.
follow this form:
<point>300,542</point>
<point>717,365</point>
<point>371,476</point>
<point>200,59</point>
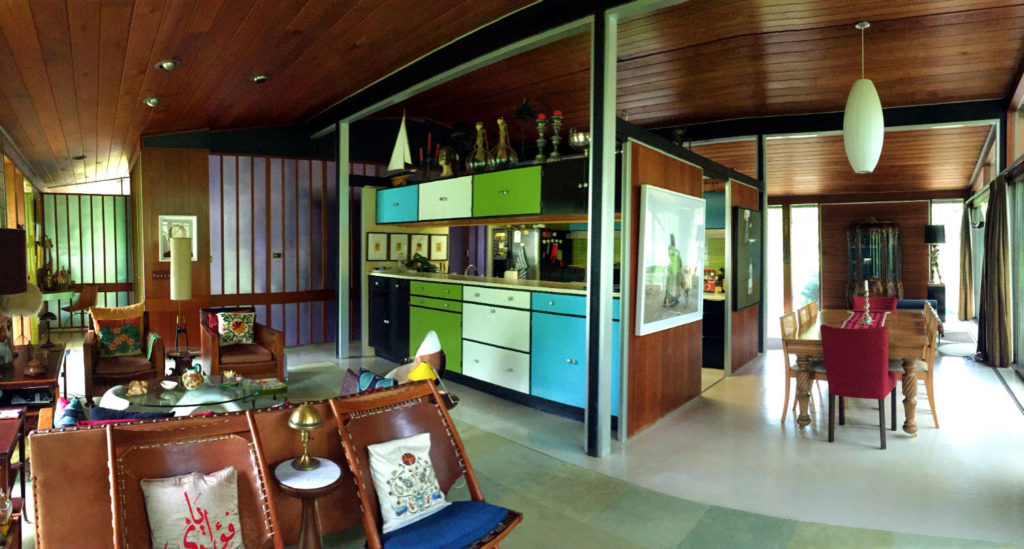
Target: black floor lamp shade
<point>935,234</point>
<point>13,277</point>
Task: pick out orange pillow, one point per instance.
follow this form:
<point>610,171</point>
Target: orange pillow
<point>118,313</point>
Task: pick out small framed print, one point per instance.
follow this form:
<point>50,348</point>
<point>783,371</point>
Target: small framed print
<point>398,249</point>
<point>438,247</point>
<point>376,246</point>
<point>419,244</point>
<point>177,226</point>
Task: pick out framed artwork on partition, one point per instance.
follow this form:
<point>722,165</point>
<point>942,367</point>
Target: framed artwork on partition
<point>398,248</point>
<point>746,257</point>
<point>419,244</point>
<point>670,260</point>
<point>177,226</point>
<point>438,247</point>
<point>376,246</point>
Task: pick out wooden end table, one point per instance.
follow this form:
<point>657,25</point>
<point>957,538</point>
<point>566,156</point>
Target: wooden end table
<point>12,435</point>
<point>13,378</point>
<point>308,486</point>
<point>182,357</point>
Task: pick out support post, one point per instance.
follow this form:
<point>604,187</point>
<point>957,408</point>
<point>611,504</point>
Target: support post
<point>344,257</point>
<point>763,194</point>
<point>601,229</point>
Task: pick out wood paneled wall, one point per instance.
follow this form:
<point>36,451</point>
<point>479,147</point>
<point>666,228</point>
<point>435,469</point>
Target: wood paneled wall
<point>836,218</point>
<point>271,238</point>
<point>172,182</point>
<point>14,187</point>
<point>664,367</point>
<point>745,323</point>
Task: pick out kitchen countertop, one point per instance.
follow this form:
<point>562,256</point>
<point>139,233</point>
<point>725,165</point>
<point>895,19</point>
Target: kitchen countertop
<point>578,288</point>
<point>709,296</point>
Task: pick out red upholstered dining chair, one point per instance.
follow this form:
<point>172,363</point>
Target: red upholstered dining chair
<point>857,366</point>
<point>877,303</point>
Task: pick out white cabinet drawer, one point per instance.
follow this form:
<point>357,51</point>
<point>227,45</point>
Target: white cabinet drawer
<point>495,296</point>
<point>509,369</point>
<point>447,199</point>
<point>496,326</point>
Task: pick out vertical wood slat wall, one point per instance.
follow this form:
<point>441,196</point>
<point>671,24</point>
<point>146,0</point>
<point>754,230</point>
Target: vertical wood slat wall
<point>271,222</point>
<point>90,235</point>
<point>15,214</point>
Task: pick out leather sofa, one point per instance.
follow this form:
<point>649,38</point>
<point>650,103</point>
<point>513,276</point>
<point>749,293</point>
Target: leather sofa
<point>71,476</point>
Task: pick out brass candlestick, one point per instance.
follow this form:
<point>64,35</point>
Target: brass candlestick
<point>556,126</point>
<point>866,320</point>
<point>542,123</point>
<point>304,419</point>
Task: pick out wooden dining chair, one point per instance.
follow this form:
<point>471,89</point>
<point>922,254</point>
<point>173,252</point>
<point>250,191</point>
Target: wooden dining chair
<point>925,366</point>
<point>813,308</point>
<point>789,331</point>
<point>804,314</point>
<point>857,366</point>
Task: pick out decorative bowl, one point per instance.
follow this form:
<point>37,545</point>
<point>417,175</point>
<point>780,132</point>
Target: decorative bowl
<point>579,141</point>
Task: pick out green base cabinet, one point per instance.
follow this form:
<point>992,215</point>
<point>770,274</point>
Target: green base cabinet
<point>448,326</point>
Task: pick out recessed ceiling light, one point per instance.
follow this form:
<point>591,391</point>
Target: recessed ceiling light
<point>167,64</point>
<point>151,101</point>
<point>78,157</point>
<point>258,78</point>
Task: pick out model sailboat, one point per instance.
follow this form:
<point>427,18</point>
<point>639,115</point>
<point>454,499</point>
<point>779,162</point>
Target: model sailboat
<point>400,157</point>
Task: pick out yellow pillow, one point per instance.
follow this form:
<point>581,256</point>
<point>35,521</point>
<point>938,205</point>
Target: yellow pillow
<point>118,313</point>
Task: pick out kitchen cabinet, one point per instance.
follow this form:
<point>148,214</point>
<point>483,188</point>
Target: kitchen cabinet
<point>447,324</point>
<point>436,289</point>
<point>446,199</point>
<point>502,367</point>
<point>397,205</point>
<point>558,359</point>
<point>494,296</point>
<point>389,318</point>
<point>565,187</point>
<point>508,192</point>
<point>509,328</point>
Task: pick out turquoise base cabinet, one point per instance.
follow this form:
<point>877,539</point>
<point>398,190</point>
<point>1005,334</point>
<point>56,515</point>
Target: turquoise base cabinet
<point>558,359</point>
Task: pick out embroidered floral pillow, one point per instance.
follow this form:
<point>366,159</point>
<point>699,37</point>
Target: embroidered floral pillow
<point>236,328</point>
<point>405,482</point>
<point>121,337</point>
<point>194,510</point>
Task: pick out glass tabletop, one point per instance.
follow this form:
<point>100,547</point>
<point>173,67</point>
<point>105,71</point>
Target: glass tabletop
<point>169,393</point>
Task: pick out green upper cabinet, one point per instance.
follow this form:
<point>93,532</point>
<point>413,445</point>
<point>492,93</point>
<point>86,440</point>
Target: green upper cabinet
<point>509,192</point>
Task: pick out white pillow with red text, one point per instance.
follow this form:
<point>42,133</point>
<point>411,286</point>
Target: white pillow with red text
<point>194,510</point>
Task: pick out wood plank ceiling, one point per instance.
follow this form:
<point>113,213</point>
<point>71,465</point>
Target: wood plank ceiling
<point>740,155</point>
<point>75,73</point>
<point>912,160</point>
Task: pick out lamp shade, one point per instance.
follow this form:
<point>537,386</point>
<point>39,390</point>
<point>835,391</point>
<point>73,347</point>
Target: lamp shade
<point>13,277</point>
<point>935,234</point>
<point>863,127</point>
<point>181,269</point>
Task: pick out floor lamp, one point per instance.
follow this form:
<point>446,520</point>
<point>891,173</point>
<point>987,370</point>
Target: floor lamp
<point>181,281</point>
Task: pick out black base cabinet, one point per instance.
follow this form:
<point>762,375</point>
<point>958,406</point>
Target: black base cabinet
<point>713,336</point>
<point>389,317</point>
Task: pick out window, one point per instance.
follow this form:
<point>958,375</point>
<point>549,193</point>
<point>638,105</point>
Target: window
<point>805,257</point>
<point>948,213</point>
<point>773,272</point>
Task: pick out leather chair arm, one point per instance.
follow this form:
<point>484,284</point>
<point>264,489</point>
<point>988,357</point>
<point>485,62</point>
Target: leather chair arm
<point>90,359</point>
<point>158,357</point>
<point>209,349</point>
<point>273,341</point>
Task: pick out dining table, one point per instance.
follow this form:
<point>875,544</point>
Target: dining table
<point>907,341</point>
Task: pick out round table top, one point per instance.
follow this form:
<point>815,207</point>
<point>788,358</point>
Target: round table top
<point>323,476</point>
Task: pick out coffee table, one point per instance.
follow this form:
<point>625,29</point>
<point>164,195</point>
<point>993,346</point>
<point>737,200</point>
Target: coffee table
<point>167,394</point>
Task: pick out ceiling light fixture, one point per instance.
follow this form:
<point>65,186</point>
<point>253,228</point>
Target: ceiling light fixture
<point>151,101</point>
<point>258,78</point>
<point>167,65</point>
<point>863,126</point>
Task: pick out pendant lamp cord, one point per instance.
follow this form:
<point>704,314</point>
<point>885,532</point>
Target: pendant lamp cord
<point>862,54</point>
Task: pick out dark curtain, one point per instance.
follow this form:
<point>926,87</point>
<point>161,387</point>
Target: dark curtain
<point>994,306</point>
<point>966,309</point>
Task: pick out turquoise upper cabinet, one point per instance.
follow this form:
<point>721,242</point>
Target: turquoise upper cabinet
<point>398,204</point>
<point>446,199</point>
<point>509,192</point>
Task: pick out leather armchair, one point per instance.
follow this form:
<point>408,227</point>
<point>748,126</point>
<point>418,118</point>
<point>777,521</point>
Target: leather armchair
<point>262,359</point>
<point>101,373</point>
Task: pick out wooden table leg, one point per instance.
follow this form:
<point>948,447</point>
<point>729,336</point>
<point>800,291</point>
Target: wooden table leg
<point>909,396</point>
<point>804,379</point>
<point>309,533</point>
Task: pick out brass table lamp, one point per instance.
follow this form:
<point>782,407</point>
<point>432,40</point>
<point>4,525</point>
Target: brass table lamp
<point>304,419</point>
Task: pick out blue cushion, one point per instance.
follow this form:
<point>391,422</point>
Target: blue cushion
<point>459,525</point>
<point>99,413</point>
<point>369,380</point>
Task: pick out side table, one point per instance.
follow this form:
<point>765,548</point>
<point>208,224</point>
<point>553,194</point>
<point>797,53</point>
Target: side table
<point>182,357</point>
<point>308,486</point>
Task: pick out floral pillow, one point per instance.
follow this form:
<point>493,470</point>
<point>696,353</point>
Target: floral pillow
<point>194,510</point>
<point>236,328</point>
<point>405,482</point>
<point>122,337</point>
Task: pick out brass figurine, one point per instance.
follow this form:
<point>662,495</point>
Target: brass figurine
<point>447,159</point>
<point>480,157</point>
<point>504,156</point>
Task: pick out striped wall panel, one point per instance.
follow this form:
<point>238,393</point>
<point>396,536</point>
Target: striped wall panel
<point>271,222</point>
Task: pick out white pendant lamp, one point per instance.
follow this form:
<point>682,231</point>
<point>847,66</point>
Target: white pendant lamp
<point>863,127</point>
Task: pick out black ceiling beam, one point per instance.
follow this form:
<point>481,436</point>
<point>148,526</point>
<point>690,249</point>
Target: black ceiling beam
<point>525,23</point>
<point>944,113</point>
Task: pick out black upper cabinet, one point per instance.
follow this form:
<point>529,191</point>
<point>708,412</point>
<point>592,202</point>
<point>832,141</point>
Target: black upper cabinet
<point>565,187</point>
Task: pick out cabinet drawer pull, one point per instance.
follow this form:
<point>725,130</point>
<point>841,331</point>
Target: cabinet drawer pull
<point>476,294</point>
<point>510,298</point>
<point>445,305</point>
<point>447,291</point>
<point>386,321</point>
<point>568,361</point>
<point>443,198</point>
<point>477,360</point>
<point>503,193</point>
<point>551,302</point>
<point>395,204</point>
<point>510,370</point>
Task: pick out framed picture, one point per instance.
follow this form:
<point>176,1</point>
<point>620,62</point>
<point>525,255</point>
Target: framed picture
<point>670,260</point>
<point>177,226</point>
<point>746,257</point>
<point>419,244</point>
<point>438,247</point>
<point>376,246</point>
<point>398,249</point>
